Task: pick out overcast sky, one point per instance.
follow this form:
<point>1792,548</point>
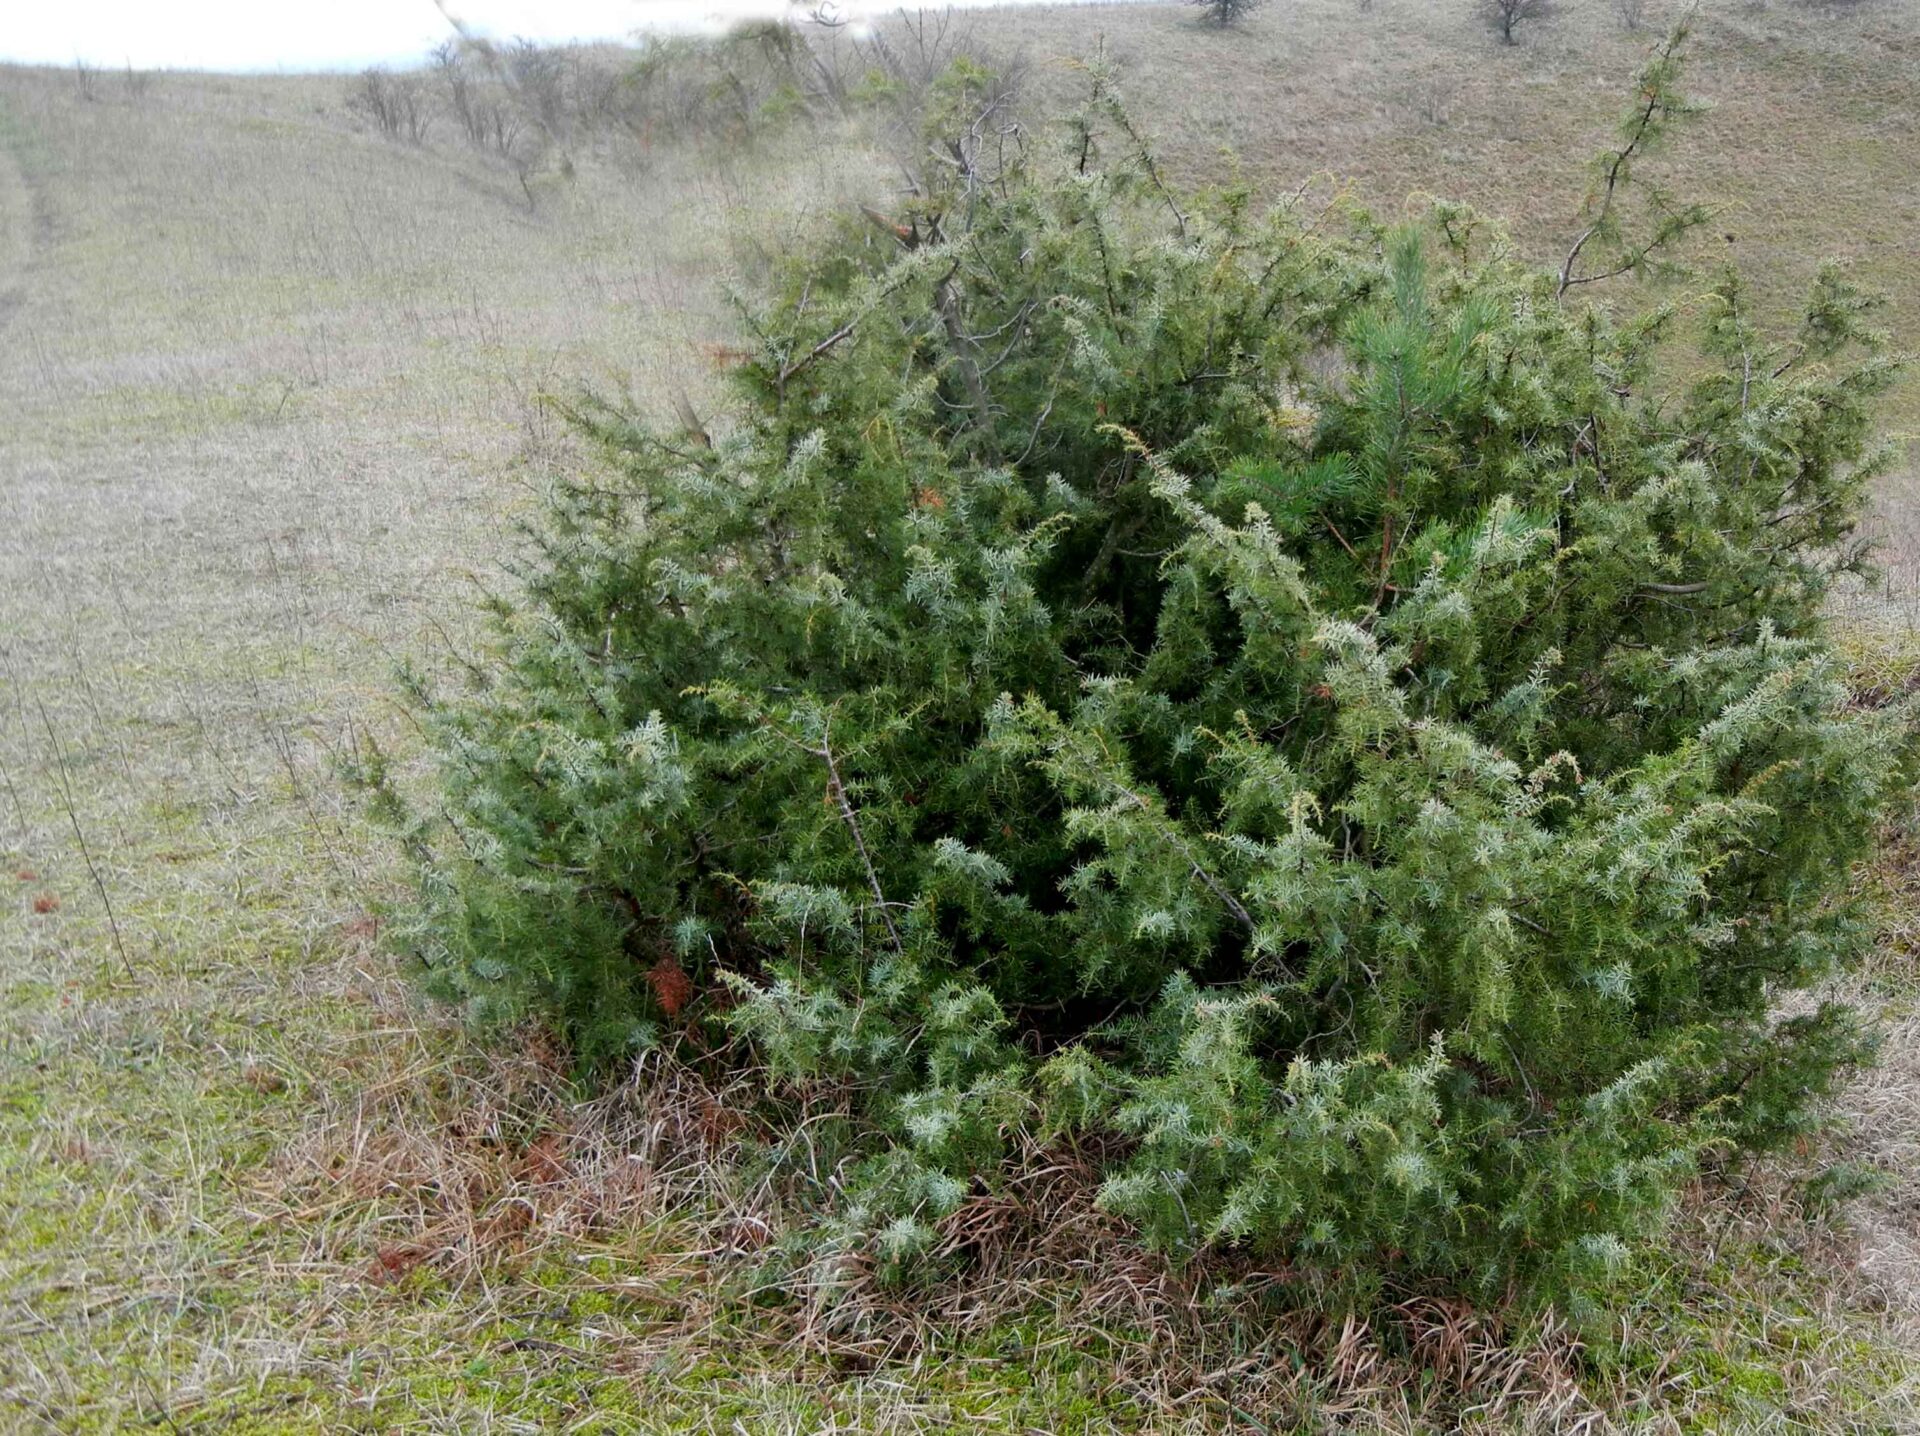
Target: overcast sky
<point>333,34</point>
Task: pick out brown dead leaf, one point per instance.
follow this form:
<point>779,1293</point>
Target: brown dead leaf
<point>544,1163</point>
<point>672,988</point>
<point>392,1262</point>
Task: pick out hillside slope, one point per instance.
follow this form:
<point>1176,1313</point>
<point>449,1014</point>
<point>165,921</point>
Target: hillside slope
<point>269,394</point>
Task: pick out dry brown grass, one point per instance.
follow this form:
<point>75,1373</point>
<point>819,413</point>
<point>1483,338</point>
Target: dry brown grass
<point>505,1171</point>
<point>638,1196</point>
<point>1880,1108</point>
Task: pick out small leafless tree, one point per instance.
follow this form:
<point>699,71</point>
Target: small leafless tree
<point>541,79</point>
<point>450,67</point>
<point>86,79</point>
<point>911,55</point>
<point>369,97</point>
<point>917,48</point>
<point>471,79</point>
<point>1226,12</point>
<point>1431,99</point>
<point>139,83</point>
<point>1509,14</point>
<point>417,113</point>
<point>1632,13</point>
<point>500,127</point>
<point>395,104</point>
<point>525,154</point>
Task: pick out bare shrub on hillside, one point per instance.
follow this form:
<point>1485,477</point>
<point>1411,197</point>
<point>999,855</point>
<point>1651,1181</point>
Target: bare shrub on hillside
<point>759,77</point>
<point>1429,100</point>
<point>457,80</point>
<point>523,104</point>
<point>139,83</point>
<point>1508,15</point>
<point>826,30</point>
<point>540,77</point>
<point>645,99</point>
<point>764,76</point>
<point>920,50</point>
<point>731,87</point>
<point>394,104</point>
<point>1632,13</point>
<point>86,79</point>
<point>484,111</point>
<point>923,59</point>
<point>499,128</point>
<point>1226,12</point>
<point>525,155</point>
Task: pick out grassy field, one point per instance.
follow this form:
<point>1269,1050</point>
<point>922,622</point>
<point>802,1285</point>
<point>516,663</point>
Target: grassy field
<point>269,398</point>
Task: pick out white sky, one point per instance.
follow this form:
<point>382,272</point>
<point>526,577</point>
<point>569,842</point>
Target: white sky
<point>336,34</point>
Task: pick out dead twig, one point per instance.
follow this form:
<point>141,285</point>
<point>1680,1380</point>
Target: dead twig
<point>73,816</point>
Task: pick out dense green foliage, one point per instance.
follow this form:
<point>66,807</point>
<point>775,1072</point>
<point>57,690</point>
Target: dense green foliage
<point>1301,708</point>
